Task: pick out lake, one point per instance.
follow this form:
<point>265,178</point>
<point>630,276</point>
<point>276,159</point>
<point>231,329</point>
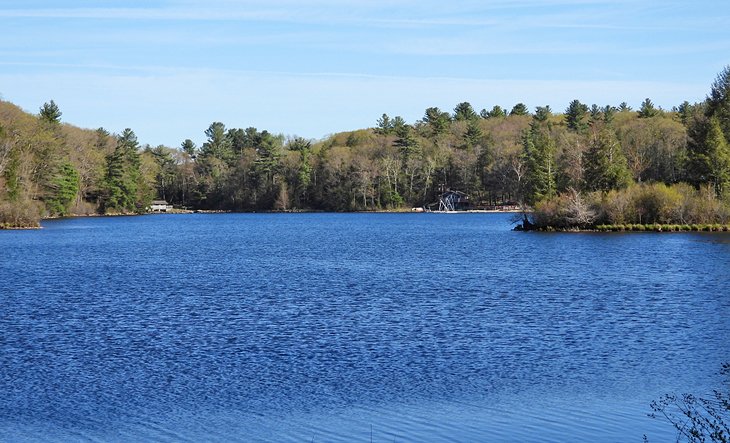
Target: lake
<point>352,328</point>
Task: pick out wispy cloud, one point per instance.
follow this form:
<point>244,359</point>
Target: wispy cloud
<point>318,66</point>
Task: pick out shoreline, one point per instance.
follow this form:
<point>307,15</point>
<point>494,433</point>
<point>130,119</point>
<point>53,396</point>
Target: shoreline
<point>633,228</point>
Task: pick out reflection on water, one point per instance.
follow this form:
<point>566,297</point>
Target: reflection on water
<point>330,327</point>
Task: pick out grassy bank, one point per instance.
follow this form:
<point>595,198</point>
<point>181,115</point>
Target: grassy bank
<point>638,228</point>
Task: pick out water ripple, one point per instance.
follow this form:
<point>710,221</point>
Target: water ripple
<point>323,327</point>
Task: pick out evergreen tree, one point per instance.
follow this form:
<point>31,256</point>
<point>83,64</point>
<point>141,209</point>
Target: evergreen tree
<point>496,112</point>
<point>50,113</point>
<point>609,112</point>
<point>647,109</point>
<point>596,114</point>
<point>385,125</point>
<point>304,177</point>
<point>709,159</point>
<point>473,135</point>
<point>539,156</point>
<point>605,164</point>
<point>299,144</point>
<point>188,147</point>
<point>219,144</point>
<point>519,109</point>
<point>64,190</point>
<point>464,112</point>
<point>406,142</point>
<point>123,176</point>
<point>575,116</point>
<point>718,102</point>
<point>102,139</point>
<point>12,176</point>
<point>398,125</point>
<point>685,112</point>
<point>165,171</point>
<point>542,114</point>
<point>437,120</point>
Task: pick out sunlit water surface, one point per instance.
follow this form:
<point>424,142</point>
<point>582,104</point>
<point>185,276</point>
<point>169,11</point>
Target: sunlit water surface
<point>352,327</point>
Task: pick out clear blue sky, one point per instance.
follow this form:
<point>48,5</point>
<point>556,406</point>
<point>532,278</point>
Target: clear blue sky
<point>168,68</point>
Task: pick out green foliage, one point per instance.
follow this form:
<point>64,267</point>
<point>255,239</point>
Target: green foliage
<point>709,156</point>
<point>575,116</point>
<point>123,176</point>
<point>519,109</point>
<point>605,164</point>
<point>718,102</point>
<point>101,139</point>
<point>12,177</point>
<point>464,112</point>
<point>385,125</point>
<point>539,155</point>
<point>188,147</point>
<point>437,120</point>
<point>299,144</point>
<point>647,109</point>
<point>542,113</point>
<point>495,112</point>
<point>609,112</point>
<point>398,124</point>
<point>473,135</point>
<point>406,142</point>
<point>64,190</point>
<point>219,144</point>
<point>50,113</point>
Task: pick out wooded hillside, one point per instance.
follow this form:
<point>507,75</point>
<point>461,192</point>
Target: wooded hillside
<point>50,168</point>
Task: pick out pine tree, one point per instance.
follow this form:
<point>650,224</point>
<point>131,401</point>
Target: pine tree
<point>709,159</point>
<point>605,164</point>
<point>188,147</point>
<point>50,113</point>
<point>219,144</point>
<point>718,102</point>
<point>123,176</point>
<point>519,109</point>
<point>539,155</point>
<point>406,142</point>
<point>64,190</point>
<point>647,109</point>
<point>473,135</point>
<point>575,116</point>
<point>464,112</point>
<point>437,120</point>
<point>385,125</point>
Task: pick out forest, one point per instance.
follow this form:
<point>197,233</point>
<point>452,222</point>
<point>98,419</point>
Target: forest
<point>589,165</point>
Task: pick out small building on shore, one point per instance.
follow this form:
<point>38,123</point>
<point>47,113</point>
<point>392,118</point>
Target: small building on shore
<point>160,206</point>
<point>450,201</point>
<point>454,201</point>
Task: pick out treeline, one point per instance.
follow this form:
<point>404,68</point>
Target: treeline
<point>48,168</point>
<point>686,187</point>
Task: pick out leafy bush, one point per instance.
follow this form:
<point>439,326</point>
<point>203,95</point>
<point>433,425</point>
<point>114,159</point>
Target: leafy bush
<point>642,207</point>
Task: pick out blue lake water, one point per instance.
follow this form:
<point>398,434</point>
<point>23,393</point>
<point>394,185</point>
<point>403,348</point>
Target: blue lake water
<point>352,327</point>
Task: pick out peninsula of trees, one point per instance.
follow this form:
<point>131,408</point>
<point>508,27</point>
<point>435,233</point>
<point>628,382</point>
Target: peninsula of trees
<point>590,165</point>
